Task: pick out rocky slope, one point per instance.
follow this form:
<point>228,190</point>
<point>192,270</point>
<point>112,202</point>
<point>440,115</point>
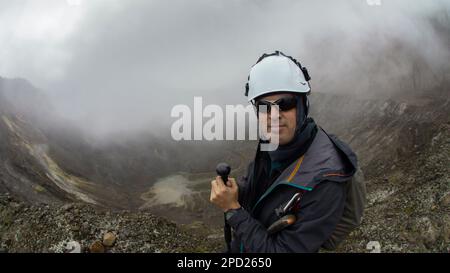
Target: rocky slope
<point>80,227</point>
<point>404,151</point>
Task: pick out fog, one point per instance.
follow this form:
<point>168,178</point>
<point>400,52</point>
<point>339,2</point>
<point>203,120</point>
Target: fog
<point>114,66</point>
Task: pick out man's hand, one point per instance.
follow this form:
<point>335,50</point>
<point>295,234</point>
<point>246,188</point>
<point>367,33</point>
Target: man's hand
<point>225,196</point>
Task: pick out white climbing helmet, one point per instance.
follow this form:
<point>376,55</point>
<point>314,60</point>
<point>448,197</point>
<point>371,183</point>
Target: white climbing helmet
<point>277,72</point>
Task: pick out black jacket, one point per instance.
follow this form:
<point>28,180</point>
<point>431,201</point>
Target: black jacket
<point>321,174</point>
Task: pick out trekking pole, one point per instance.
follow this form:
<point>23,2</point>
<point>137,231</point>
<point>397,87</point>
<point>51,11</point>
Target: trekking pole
<point>223,170</point>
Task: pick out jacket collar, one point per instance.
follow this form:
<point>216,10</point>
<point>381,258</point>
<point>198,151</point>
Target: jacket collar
<point>326,159</point>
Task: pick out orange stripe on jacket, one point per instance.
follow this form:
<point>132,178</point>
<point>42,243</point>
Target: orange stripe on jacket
<point>297,167</point>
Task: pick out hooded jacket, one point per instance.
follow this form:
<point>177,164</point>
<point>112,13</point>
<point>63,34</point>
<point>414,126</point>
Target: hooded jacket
<point>321,174</point>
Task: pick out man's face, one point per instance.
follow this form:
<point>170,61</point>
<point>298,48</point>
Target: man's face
<point>287,119</point>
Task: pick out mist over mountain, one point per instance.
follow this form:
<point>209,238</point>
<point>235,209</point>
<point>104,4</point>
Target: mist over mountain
<point>111,76</point>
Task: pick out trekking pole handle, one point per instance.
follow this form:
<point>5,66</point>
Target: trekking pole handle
<point>223,170</point>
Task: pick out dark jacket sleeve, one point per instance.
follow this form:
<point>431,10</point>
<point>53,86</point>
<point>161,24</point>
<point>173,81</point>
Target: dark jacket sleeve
<point>320,211</point>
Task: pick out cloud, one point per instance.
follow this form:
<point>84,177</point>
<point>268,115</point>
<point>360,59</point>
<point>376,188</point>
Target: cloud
<point>122,65</point>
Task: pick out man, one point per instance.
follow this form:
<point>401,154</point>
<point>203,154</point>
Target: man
<point>292,198</point>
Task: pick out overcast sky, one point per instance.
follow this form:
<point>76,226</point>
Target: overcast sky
<point>123,64</point>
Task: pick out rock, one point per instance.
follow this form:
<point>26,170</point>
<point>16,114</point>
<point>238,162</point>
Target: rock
<point>125,233</point>
<point>109,239</point>
<point>73,247</point>
<point>215,236</point>
<point>67,207</point>
<point>97,247</point>
<point>8,242</point>
<point>16,206</point>
<point>445,200</point>
<point>428,232</point>
<point>85,228</point>
<point>446,229</point>
<point>75,228</point>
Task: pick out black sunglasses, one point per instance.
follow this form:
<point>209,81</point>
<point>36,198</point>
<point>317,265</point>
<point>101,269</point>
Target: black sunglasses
<point>284,104</point>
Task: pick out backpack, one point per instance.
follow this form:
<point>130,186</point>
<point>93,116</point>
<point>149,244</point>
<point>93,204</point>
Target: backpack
<point>353,211</point>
